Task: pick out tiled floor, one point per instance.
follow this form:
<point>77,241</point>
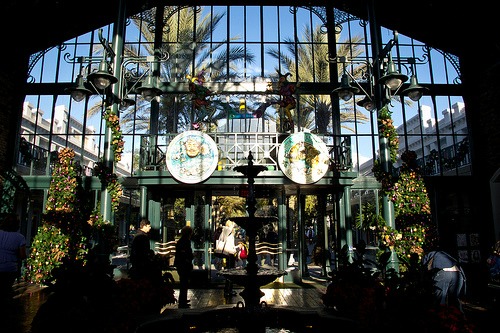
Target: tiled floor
<point>307,295</point>
<point>17,315</point>
<point>20,311</point>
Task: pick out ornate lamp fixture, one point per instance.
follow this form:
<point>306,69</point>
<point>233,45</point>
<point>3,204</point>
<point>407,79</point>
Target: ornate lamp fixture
<point>345,91</point>
<point>366,103</point>
<point>103,77</point>
<point>414,91</point>
<point>79,92</point>
<point>149,89</point>
<point>392,80</point>
<point>125,103</point>
<point>99,81</point>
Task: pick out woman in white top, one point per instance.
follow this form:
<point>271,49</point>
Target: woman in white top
<point>227,236</point>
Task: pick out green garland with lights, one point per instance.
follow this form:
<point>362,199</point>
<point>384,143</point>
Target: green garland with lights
<point>113,123</point>
<point>63,233</point>
<point>387,130</point>
<point>103,172</point>
<point>113,186</point>
<point>409,195</point>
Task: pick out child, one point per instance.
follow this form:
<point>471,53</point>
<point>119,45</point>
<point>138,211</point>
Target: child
<point>242,252</point>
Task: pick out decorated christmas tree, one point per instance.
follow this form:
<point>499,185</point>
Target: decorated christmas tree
<point>407,191</point>
<point>63,235</point>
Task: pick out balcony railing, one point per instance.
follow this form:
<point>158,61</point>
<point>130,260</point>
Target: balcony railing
<point>233,151</point>
<point>235,147</point>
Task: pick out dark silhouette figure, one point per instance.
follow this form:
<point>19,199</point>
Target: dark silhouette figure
<point>448,278</point>
<point>141,255</point>
<point>12,252</point>
<point>183,262</point>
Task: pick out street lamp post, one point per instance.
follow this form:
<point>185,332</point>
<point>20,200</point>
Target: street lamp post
<point>384,81</point>
<point>109,81</point>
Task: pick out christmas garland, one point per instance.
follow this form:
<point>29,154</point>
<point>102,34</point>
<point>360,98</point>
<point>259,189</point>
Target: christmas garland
<point>112,184</point>
<point>387,130</point>
<point>105,173</point>
<point>113,123</point>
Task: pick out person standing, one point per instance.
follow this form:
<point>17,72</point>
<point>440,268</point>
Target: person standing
<point>183,262</point>
<point>229,253</point>
<point>448,278</point>
<point>141,255</point>
<point>12,252</point>
<point>493,262</point>
<point>273,240</point>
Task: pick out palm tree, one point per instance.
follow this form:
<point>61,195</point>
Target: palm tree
<point>309,62</point>
<point>187,40</point>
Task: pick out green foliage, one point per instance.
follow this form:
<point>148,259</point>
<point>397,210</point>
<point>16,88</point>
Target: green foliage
<point>110,179</point>
<point>409,195</point>
<point>387,130</point>
<point>64,185</point>
<point>368,219</point>
<point>104,236</point>
<point>381,300</point>
<point>64,232</point>
<point>113,123</point>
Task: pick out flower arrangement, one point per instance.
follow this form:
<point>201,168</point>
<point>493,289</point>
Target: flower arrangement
<point>64,183</point>
<point>61,237</point>
<point>387,179</point>
<point>408,193</point>
<point>48,249</point>
<point>113,123</point>
<point>406,241</point>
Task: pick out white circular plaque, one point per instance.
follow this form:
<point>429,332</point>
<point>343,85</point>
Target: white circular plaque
<point>192,157</point>
<point>304,158</point>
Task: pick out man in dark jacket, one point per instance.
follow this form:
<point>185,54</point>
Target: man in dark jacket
<point>141,255</point>
<point>448,278</point>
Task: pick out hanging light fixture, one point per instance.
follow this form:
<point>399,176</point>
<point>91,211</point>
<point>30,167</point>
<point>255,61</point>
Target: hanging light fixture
<point>393,79</point>
<point>345,90</point>
<point>366,103</point>
<point>79,92</point>
<point>125,103</point>
<point>149,88</point>
<point>102,78</point>
<point>414,91</point>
